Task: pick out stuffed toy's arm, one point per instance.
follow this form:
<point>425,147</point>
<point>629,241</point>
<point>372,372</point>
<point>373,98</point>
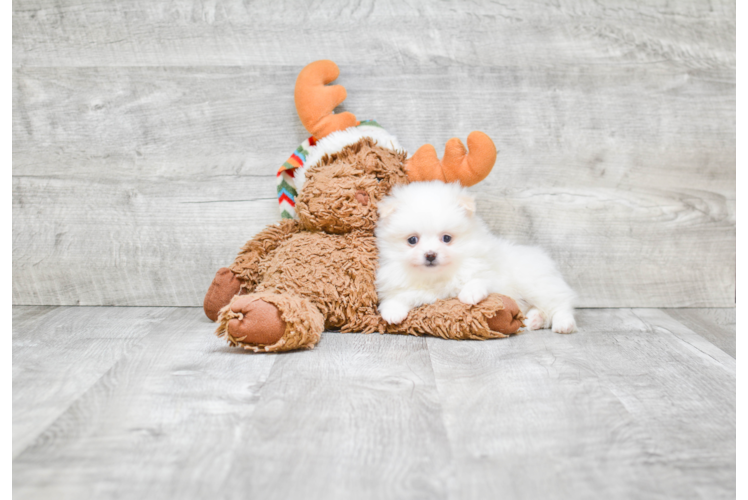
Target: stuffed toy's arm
<point>244,274</point>
<point>246,264</point>
<point>495,317</point>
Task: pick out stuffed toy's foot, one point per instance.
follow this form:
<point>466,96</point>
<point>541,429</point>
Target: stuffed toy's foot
<point>224,286</point>
<point>508,320</point>
<point>269,322</point>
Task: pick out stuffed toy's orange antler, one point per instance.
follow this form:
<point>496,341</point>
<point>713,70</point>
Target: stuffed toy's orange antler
<point>457,165</point>
<point>315,101</point>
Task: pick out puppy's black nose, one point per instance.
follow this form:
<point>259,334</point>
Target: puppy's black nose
<point>430,256</point>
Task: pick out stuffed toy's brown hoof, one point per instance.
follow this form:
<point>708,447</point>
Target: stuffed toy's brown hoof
<point>257,322</point>
<point>224,286</point>
<point>270,322</point>
<point>509,320</point>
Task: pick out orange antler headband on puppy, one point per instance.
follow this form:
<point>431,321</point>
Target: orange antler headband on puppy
<point>458,164</point>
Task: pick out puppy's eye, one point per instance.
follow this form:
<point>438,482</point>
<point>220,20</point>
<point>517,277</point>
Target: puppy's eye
<point>446,238</point>
<point>379,179</point>
<point>412,240</point>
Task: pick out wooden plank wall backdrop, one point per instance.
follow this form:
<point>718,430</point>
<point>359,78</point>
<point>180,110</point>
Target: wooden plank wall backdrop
<point>146,134</point>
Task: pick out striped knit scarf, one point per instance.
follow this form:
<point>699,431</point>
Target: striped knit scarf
<point>285,179</point>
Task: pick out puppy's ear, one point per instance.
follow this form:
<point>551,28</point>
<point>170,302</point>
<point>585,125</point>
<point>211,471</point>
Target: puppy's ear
<point>386,208</point>
<point>467,203</point>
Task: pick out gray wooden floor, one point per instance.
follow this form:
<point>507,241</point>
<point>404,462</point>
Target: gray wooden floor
<point>145,402</point>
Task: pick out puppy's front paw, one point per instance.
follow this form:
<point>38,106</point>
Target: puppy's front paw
<point>472,293</point>
<point>393,312</point>
<point>564,323</point>
<point>534,319</point>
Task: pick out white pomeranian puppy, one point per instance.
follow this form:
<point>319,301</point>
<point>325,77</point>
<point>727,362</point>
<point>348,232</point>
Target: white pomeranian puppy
<point>433,246</point>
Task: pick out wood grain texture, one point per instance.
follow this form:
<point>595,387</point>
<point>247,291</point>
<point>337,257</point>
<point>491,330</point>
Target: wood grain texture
<point>624,409</point>
<point>129,242</point>
<point>185,33</point>
<point>615,125</point>
<point>715,325</point>
<point>161,422</point>
<point>357,417</point>
<point>635,405</point>
<point>183,416</point>
<point>58,354</point>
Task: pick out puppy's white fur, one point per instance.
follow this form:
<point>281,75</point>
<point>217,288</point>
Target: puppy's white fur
<point>470,266</point>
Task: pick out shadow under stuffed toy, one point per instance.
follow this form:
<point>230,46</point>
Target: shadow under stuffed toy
<point>315,269</point>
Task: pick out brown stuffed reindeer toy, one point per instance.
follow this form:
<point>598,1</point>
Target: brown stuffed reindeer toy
<point>316,268</point>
